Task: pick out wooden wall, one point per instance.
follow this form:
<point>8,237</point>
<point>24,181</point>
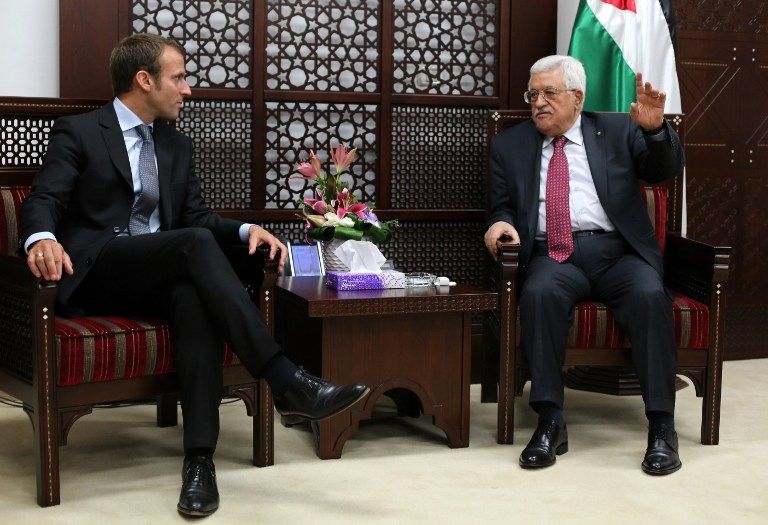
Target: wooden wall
<point>723,70</point>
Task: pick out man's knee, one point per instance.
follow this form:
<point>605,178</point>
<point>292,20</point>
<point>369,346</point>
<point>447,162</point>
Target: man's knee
<point>198,237</point>
<point>542,291</point>
<point>648,294</point>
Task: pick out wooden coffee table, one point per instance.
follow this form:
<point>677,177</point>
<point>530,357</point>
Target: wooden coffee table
<point>412,344</point>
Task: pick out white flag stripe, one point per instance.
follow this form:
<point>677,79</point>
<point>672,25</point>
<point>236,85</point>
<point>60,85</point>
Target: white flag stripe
<point>644,40</point>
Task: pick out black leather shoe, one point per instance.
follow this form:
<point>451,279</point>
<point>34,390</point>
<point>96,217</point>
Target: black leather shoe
<point>661,456</point>
<point>548,441</point>
<point>310,398</point>
<point>199,495</point>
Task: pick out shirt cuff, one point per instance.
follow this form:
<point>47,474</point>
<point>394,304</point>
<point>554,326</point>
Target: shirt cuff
<point>32,239</point>
<point>244,231</point>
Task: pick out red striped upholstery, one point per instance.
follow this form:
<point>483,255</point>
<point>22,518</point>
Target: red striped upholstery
<point>93,349</point>
<point>655,199</point>
<point>595,327</point>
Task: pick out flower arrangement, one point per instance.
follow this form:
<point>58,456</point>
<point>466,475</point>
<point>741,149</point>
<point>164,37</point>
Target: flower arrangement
<point>334,212</point>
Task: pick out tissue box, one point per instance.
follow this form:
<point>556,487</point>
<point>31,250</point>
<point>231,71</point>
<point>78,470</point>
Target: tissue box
<point>365,281</point>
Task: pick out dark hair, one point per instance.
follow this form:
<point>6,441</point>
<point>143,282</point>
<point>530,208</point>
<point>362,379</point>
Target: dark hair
<point>134,53</point>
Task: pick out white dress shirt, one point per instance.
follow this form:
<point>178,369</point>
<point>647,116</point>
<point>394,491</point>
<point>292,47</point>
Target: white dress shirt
<point>586,211</point>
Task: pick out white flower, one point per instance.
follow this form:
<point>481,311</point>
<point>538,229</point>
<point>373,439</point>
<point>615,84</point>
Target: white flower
<point>331,219</point>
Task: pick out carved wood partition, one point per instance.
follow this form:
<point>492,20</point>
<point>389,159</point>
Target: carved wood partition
<point>723,70</point>
<point>407,82</point>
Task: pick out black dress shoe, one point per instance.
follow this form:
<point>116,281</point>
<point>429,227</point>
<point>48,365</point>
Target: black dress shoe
<point>661,456</point>
<point>310,398</point>
<point>199,495</point>
<point>548,441</point>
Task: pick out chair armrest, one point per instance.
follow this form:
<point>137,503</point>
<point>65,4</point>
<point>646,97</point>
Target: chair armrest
<point>26,317</point>
<point>255,271</point>
<point>694,268</point>
<point>507,255</point>
<point>504,281</point>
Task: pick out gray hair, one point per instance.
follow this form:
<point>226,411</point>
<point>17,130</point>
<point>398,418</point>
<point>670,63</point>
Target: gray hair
<point>573,73</point>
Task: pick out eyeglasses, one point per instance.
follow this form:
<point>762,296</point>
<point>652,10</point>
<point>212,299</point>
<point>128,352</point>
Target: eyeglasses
<point>549,94</point>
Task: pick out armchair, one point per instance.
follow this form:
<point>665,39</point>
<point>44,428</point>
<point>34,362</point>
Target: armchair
<point>60,368</point>
<point>695,272</point>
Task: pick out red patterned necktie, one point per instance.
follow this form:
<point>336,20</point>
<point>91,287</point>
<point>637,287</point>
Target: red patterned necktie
<point>559,236</point>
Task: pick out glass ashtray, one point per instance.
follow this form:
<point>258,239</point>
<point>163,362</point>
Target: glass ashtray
<point>419,279</point>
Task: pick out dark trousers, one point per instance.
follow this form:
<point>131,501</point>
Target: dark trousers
<point>183,276</point>
<point>603,267</point>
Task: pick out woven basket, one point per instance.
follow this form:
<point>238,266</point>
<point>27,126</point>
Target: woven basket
<point>333,263</point>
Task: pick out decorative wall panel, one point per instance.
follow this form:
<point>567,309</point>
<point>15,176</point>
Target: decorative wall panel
<point>743,16</point>
<point>216,35</point>
<point>453,249</point>
<point>445,47</point>
<point>23,141</point>
<point>295,128</point>
<point>221,133</point>
<point>438,157</point>
<point>328,45</point>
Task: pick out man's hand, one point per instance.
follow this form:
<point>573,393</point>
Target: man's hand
<point>648,111</point>
<point>46,259</point>
<point>258,236</point>
<point>496,232</point>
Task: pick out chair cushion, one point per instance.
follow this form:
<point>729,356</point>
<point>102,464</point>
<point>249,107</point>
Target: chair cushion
<point>10,201</point>
<point>595,327</point>
<point>94,349</point>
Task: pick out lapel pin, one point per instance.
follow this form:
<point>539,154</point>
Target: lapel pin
<point>599,133</point>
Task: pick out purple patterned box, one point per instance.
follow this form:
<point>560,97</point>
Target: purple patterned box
<point>365,281</point>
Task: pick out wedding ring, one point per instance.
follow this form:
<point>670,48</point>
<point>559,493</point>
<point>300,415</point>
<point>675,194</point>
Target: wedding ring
<point>39,254</point>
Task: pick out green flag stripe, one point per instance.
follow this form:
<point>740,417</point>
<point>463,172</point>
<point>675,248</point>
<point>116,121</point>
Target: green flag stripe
<point>610,80</point>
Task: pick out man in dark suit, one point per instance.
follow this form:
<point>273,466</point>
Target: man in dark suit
<point>565,186</point>
<point>116,216</point>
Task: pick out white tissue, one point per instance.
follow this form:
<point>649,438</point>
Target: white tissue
<point>360,256</point>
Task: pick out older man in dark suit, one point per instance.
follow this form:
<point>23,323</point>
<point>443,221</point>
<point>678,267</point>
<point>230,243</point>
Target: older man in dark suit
<point>565,185</point>
<point>117,217</point>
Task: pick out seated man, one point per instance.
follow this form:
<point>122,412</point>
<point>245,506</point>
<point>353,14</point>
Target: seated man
<point>117,217</point>
<point>565,186</point>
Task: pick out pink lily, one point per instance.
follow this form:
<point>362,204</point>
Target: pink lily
<point>311,169</point>
<point>306,170</point>
<point>317,204</point>
<point>342,158</point>
<point>345,204</point>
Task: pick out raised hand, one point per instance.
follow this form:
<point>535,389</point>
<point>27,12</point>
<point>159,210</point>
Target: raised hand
<point>648,111</point>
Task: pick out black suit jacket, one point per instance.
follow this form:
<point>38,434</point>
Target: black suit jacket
<point>84,191</point>
<point>619,154</point>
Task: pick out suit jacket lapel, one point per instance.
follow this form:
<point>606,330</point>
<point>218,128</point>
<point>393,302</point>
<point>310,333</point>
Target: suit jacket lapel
<point>164,155</point>
<point>113,137</point>
<point>594,144</point>
<point>534,181</point>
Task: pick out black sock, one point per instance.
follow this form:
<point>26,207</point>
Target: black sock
<point>549,412</point>
<point>661,418</point>
<point>199,451</point>
<point>279,372</point>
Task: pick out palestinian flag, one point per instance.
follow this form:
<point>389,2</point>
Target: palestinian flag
<point>614,39</point>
